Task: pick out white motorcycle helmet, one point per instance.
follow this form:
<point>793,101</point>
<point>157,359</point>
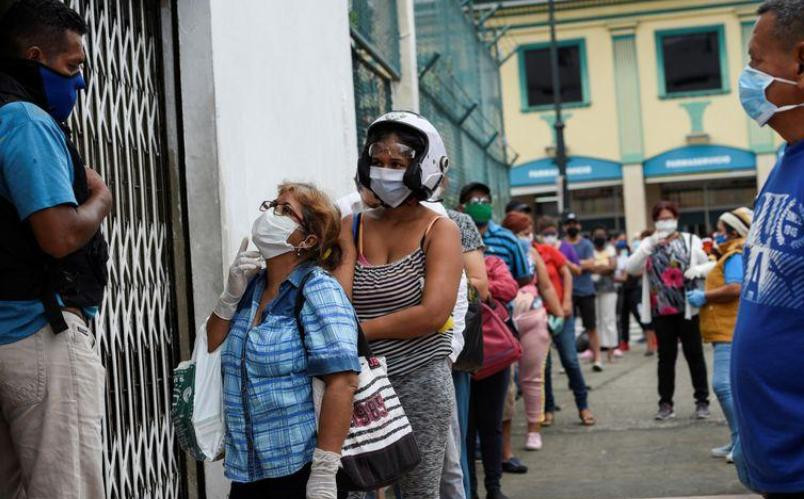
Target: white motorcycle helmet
<point>429,165</point>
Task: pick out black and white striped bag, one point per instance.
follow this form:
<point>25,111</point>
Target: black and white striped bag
<point>380,446</point>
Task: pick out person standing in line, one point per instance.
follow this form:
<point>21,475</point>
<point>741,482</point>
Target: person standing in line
<point>583,286</point>
<point>553,251</point>
<point>768,345</point>
<point>487,399</point>
<point>620,279</point>
<point>268,398</point>
<point>455,475</point>
<point>53,270</point>
<point>719,302</point>
<point>400,268</point>
<point>605,291</point>
<point>530,315</point>
<point>475,199</point>
<point>632,301</point>
<point>667,261</point>
<point>476,279</point>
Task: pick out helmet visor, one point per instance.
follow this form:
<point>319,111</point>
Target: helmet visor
<point>391,154</point>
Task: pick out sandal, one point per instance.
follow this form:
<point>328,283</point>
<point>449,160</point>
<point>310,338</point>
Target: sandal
<point>548,419</point>
<point>587,418</point>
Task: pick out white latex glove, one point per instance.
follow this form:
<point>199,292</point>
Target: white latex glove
<point>699,271</point>
<point>245,265</point>
<point>648,244</point>
<point>321,484</point>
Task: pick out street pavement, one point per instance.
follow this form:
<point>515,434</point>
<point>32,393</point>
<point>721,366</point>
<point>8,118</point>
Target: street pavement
<point>626,454</point>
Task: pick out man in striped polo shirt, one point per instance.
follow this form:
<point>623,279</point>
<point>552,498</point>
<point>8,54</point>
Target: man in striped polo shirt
<point>475,201</point>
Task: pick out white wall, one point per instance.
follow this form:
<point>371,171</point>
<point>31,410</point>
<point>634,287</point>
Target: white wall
<point>266,96</point>
<point>284,103</point>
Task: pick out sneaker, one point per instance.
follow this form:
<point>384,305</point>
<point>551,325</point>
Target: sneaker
<point>514,465</point>
<point>730,457</point>
<point>721,452</point>
<point>649,353</point>
<point>665,412</point>
<point>618,353</point>
<point>624,346</point>
<point>533,441</point>
<point>597,367</point>
<point>702,410</point>
<point>587,355</point>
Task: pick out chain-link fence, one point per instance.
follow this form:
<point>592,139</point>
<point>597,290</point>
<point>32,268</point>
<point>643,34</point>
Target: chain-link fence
<point>375,58</point>
<point>460,93</point>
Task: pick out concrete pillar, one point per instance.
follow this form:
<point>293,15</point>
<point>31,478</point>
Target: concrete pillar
<point>238,144</point>
<point>653,194</point>
<point>405,92</point>
<point>765,164</point>
<point>634,198</point>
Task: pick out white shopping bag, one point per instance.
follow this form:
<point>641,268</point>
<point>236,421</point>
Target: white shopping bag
<point>197,408</point>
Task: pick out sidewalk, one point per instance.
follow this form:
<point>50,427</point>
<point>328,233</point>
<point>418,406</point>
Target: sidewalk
<point>627,454</point>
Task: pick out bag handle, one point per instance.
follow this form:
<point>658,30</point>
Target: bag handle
<point>363,348</point>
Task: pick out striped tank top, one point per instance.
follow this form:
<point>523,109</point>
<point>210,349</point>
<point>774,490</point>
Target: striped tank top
<point>380,290</point>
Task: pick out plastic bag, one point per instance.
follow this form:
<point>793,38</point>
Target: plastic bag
<point>197,407</point>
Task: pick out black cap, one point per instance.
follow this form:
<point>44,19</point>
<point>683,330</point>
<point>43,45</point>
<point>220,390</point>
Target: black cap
<point>473,186</point>
<point>519,206</point>
<point>569,217</point>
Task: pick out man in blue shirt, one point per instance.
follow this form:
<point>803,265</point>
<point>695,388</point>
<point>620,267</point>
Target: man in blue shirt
<point>475,199</point>
<point>768,345</point>
<point>583,287</point>
<point>53,269</point>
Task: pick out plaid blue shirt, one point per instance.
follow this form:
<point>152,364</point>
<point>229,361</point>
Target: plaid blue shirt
<point>267,386</point>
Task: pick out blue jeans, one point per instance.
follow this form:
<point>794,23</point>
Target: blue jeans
<point>565,344</point>
<point>721,385</point>
<point>461,382</point>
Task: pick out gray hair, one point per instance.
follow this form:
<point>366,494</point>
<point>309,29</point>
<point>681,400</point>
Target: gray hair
<point>789,25</point>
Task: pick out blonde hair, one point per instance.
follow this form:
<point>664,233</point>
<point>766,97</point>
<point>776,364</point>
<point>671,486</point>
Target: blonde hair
<point>322,219</point>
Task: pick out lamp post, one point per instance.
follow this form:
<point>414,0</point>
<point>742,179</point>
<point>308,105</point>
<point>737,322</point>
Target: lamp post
<point>562,185</point>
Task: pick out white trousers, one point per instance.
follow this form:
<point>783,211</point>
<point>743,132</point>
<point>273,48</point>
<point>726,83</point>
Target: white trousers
<point>606,315</point>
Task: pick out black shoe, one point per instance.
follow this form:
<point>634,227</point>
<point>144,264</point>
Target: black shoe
<point>665,412</point>
<point>514,465</point>
<point>496,494</point>
<point>702,410</point>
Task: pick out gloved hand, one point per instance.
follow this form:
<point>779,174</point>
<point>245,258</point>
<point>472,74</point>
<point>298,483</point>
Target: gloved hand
<point>321,484</point>
<point>699,271</point>
<point>555,324</point>
<point>697,298</point>
<point>245,265</point>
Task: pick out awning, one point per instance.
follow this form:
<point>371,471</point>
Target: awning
<point>699,159</point>
<point>580,169</point>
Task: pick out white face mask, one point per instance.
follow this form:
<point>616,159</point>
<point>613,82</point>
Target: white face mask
<point>550,240</point>
<point>528,238</point>
<point>388,185</point>
<point>270,234</point>
<point>666,227</point>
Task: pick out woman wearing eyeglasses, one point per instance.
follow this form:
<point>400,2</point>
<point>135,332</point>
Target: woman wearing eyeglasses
<point>402,264</point>
<point>273,448</point>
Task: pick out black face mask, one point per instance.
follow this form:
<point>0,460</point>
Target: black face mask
<point>599,241</point>
<point>573,231</point>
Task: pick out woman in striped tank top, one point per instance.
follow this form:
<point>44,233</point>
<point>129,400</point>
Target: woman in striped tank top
<point>402,267</point>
